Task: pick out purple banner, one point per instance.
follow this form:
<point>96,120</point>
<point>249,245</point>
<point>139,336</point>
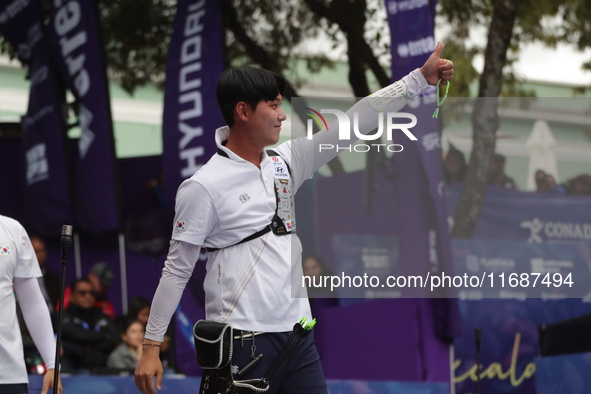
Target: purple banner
<point>564,374</point>
<point>409,347</point>
<point>75,35</point>
<point>126,384</point>
<point>47,204</point>
<point>191,114</point>
<point>509,345</point>
<point>537,218</point>
<point>419,187</point>
<point>411,31</point>
<point>519,232</point>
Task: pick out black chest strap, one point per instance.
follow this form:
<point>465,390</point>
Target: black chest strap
<point>249,238</point>
<point>276,224</point>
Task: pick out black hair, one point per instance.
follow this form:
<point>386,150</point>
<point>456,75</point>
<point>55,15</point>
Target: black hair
<point>497,157</point>
<point>540,176</point>
<point>75,283</point>
<point>447,177</point>
<point>124,324</point>
<point>136,305</point>
<point>581,182</point>
<point>248,84</point>
<point>324,270</point>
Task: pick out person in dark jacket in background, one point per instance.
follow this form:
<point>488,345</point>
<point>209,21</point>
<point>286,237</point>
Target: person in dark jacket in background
<point>101,277</point>
<point>89,335</point>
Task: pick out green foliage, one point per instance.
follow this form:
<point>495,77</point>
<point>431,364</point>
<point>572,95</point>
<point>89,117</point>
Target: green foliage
<point>462,56</point>
<point>576,29</point>
<point>280,28</point>
<point>465,76</point>
<point>7,49</point>
<point>536,21</point>
<point>513,85</point>
<point>576,26</point>
<point>136,34</point>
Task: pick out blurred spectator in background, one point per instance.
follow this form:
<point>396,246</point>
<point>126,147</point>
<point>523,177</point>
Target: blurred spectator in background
<point>496,173</point>
<point>579,185</point>
<point>50,281</point>
<point>539,179</point>
<point>315,269</point>
<point>320,297</point>
<point>139,309</point>
<point>126,355</point>
<point>454,167</point>
<point>101,277</point>
<point>545,183</point>
<point>88,334</point>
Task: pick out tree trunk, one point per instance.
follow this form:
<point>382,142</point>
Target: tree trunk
<point>362,50</point>
<point>340,12</point>
<point>485,119</point>
<point>357,78</point>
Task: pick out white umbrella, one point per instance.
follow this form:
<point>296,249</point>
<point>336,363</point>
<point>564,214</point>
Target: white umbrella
<point>541,145</point>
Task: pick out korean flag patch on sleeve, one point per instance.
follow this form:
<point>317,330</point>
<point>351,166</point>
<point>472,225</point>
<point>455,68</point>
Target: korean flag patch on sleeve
<point>5,249</point>
<point>180,225</point>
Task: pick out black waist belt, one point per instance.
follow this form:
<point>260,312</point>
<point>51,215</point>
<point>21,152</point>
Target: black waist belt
<point>249,238</point>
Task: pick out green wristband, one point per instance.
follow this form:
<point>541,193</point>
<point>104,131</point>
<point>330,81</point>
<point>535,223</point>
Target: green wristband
<point>440,103</point>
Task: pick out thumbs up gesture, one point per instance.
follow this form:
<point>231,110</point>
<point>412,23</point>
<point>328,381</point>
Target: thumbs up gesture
<point>436,68</point>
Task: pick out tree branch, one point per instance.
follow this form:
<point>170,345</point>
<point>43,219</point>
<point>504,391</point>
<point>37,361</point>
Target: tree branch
<point>340,14</point>
<point>262,57</point>
<point>372,61</point>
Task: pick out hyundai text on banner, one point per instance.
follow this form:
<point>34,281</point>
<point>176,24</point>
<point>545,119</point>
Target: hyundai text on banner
<point>191,115</point>
<point>78,50</point>
<point>47,200</point>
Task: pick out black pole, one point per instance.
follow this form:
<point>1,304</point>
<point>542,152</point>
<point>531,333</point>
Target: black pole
<point>477,337</point>
<point>65,242</point>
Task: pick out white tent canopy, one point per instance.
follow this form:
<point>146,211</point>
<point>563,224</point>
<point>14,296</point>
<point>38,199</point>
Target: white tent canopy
<point>541,144</point>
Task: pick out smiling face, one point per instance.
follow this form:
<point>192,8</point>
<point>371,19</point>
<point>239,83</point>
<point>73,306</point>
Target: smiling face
<point>264,122</point>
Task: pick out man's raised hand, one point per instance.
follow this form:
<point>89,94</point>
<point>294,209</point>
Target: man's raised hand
<point>436,68</point>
